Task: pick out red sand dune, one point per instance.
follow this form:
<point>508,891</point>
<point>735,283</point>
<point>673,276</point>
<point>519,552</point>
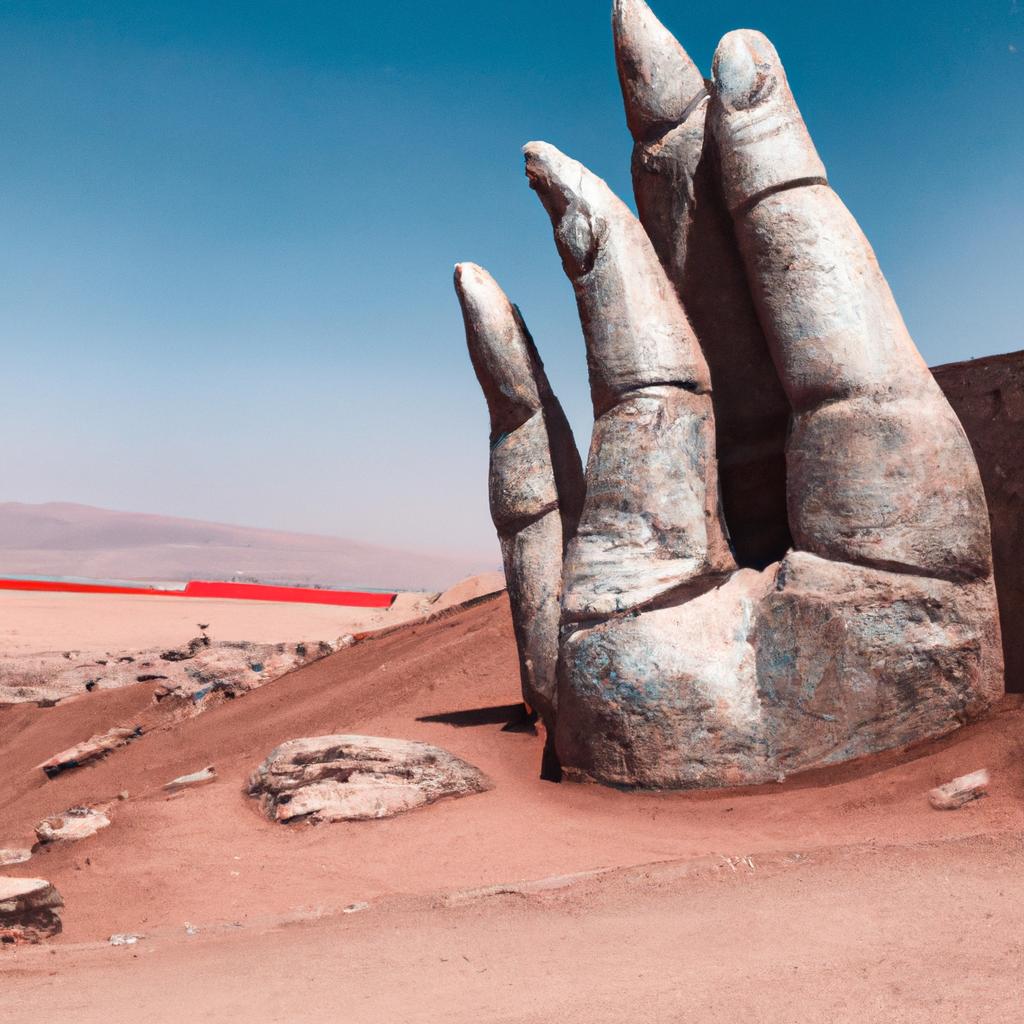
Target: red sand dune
<point>78,540</point>
<point>843,893</point>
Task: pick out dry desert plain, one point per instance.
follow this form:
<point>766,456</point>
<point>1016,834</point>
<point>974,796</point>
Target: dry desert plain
<point>843,893</point>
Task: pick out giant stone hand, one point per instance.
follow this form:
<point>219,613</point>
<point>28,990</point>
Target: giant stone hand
<point>720,601</point>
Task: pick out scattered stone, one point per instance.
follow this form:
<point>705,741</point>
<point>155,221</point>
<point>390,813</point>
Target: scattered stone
<point>354,908</point>
<point>191,929</point>
<point>960,791</point>
<point>93,749</point>
<point>208,774</point>
<point>13,855</point>
<point>28,910</point>
<point>193,673</point>
<point>356,778</point>
<point>124,939</point>
<point>73,824</point>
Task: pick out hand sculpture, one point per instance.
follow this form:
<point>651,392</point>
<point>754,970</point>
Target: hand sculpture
<point>813,608</point>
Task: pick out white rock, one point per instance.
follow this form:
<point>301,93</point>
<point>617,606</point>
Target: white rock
<point>73,824</point>
<point>355,778</point>
<point>208,774</point>
<point>14,855</point>
<point>960,791</point>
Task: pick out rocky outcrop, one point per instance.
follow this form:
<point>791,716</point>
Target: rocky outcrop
<point>28,910</point>
<point>71,825</point>
<point>192,672</point>
<point>90,750</point>
<point>355,778</point>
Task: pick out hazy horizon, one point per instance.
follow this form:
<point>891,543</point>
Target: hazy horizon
<point>226,290</point>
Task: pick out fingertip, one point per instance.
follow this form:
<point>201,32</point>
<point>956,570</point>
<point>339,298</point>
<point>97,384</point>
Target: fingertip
<point>745,69</point>
<point>659,81</point>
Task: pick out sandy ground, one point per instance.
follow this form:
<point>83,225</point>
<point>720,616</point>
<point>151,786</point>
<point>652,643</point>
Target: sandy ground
<point>33,623</point>
<point>840,896</point>
<point>51,642</point>
<point>40,622</point>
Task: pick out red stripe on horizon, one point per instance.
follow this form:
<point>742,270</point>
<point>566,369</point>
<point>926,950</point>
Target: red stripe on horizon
<point>303,595</point>
<point>213,589</point>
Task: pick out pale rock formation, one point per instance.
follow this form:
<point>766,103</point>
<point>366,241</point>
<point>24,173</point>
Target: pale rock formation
<point>678,190</point>
<point>878,628</point>
<point>71,825</point>
<point>14,855</point>
<point>960,791</point>
<point>90,750</point>
<point>355,778</point>
<point>28,910</point>
<point>193,779</point>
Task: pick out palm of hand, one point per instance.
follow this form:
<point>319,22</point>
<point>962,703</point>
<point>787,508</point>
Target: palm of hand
<point>660,648</point>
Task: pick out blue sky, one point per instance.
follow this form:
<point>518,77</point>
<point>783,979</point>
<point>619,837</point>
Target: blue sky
<point>229,229</point>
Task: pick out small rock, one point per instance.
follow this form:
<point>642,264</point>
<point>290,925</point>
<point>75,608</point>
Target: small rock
<point>960,791</point>
<point>191,929</point>
<point>124,939</point>
<point>28,909</point>
<point>14,855</point>
<point>355,778</point>
<point>354,908</point>
<point>208,774</point>
<point>92,749</point>
<point>75,823</point>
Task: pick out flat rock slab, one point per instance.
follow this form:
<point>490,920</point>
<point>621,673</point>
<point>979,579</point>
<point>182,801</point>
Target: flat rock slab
<point>28,909</point>
<point>92,749</point>
<point>14,855</point>
<point>357,778</point>
<point>73,824</point>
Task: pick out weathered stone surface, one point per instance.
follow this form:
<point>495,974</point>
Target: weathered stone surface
<point>651,517</point>
<point>879,630</point>
<point>677,185</point>
<point>14,855</point>
<point>355,778</point>
<point>28,909</point>
<point>71,825</point>
<point>960,791</point>
<point>92,749</point>
<point>197,671</point>
<point>810,664</point>
<point>878,466</point>
<point>987,396</point>
<point>536,479</point>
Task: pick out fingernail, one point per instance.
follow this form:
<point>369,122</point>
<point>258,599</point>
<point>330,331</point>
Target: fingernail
<point>745,69</point>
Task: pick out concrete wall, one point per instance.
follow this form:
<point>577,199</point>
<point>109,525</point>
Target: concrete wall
<point>988,396</point>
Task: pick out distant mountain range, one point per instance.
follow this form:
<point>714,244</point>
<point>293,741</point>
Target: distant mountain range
<point>65,539</point>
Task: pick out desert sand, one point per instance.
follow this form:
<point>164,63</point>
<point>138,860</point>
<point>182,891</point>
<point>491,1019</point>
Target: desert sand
<point>50,643</point>
<point>842,891</point>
